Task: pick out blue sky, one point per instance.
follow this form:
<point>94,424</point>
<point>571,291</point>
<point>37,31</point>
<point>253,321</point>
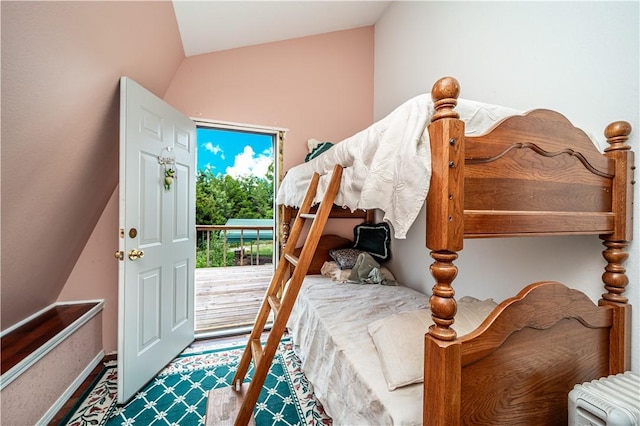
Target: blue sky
<point>234,153</point>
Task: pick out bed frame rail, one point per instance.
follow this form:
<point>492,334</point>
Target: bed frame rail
<point>289,213</point>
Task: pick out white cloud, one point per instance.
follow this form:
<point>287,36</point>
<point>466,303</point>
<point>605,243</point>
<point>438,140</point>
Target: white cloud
<point>214,149</point>
<point>249,163</point>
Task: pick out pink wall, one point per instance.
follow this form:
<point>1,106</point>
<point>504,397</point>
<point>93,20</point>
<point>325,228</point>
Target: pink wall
<point>61,64</point>
<point>318,87</point>
<point>96,261</point>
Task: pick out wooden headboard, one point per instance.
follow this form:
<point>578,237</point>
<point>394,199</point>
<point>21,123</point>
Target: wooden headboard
<point>530,175</point>
<point>325,244</point>
<point>518,180</point>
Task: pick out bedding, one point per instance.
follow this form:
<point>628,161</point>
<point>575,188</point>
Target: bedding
<point>330,325</point>
<point>387,165</point>
<point>316,148</point>
<point>345,258</point>
<point>399,338</point>
<point>367,271</point>
<point>333,271</point>
<point>375,239</point>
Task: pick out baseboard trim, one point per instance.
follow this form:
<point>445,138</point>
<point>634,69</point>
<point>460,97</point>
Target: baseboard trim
<point>57,406</point>
<point>47,347</point>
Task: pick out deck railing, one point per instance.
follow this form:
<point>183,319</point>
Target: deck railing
<point>206,231</point>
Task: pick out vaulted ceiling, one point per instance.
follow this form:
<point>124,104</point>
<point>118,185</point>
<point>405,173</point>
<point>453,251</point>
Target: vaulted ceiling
<point>209,26</point>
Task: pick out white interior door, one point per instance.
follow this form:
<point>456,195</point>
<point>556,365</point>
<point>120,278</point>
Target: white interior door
<point>157,234</point>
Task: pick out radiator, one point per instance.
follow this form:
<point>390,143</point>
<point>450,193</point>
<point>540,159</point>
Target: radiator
<point>611,401</point>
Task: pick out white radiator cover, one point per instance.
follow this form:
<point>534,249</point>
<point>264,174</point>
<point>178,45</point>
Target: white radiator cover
<point>611,401</point>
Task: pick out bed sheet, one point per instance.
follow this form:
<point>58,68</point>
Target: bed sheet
<point>329,326</point>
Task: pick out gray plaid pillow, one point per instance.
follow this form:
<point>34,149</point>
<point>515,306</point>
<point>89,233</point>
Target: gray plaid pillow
<point>345,258</point>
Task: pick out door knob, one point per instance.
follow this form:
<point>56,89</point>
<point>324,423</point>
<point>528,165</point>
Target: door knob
<point>136,254</point>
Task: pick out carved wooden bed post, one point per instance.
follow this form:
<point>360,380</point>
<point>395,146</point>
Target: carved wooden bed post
<point>445,233</point>
<point>286,226</point>
<point>445,203</point>
<point>614,278</point>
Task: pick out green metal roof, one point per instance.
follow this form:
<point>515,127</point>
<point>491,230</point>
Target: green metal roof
<point>249,235</point>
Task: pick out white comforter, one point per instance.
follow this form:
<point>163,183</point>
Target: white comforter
<point>387,165</point>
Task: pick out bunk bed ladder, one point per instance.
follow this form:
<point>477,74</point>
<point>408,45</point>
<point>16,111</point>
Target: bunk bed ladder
<point>238,401</point>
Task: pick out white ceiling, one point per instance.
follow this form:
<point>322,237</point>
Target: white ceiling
<point>209,26</point>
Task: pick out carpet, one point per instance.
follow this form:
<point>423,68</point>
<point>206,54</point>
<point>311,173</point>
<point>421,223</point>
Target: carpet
<point>178,394</point>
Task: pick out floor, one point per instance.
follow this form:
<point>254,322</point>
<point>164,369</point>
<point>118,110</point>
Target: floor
<point>227,299</point>
<point>78,394</point>
<point>230,297</point>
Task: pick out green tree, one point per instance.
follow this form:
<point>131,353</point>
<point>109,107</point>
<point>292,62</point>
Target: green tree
<point>222,197</point>
<point>213,204</point>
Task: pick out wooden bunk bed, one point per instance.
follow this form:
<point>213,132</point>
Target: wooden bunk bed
<point>532,175</point>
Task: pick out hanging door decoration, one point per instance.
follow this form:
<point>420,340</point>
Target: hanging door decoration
<point>167,161</point>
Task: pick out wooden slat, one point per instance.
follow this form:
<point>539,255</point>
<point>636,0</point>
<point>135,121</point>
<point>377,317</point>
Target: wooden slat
<point>479,223</point>
<point>308,216</point>
<point>274,302</point>
<point>292,259</point>
<point>531,195</point>
<point>256,351</point>
<point>337,212</point>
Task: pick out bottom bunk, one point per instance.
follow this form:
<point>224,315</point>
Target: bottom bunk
<point>358,341</point>
<point>363,349</point>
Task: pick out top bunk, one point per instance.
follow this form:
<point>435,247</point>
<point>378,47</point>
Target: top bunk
<point>531,174</point>
<point>484,170</point>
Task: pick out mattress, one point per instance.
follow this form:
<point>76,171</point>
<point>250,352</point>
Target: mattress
<point>329,326</point>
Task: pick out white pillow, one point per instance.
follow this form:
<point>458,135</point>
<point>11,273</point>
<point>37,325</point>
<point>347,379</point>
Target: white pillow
<point>399,338</point>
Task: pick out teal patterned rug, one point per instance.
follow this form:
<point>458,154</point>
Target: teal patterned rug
<point>178,394</point>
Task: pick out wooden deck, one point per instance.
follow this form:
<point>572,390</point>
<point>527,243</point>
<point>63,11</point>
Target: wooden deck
<point>229,297</point>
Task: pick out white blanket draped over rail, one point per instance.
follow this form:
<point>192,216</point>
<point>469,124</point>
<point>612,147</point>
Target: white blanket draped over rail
<point>388,164</point>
